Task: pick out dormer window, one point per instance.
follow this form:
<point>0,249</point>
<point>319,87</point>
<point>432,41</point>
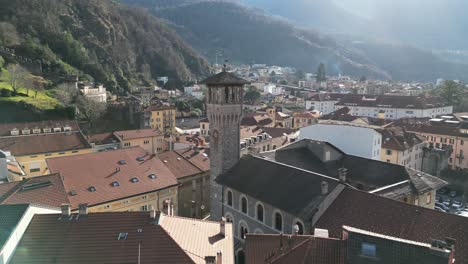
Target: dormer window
<point>26,131</point>
<point>57,129</point>
<point>47,130</point>
<point>14,132</point>
<point>36,130</point>
<point>152,176</point>
<point>91,189</point>
<point>67,128</point>
<point>115,184</point>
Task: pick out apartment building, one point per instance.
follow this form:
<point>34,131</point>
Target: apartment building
<point>161,117</point>
<point>34,142</point>
<point>151,140</point>
<point>402,147</point>
<point>324,103</point>
<point>127,179</point>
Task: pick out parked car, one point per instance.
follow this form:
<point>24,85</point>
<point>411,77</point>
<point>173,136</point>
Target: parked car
<point>457,202</point>
<point>439,198</point>
<point>446,202</point>
<point>456,206</point>
<point>442,206</point>
<point>453,194</point>
<point>439,209</point>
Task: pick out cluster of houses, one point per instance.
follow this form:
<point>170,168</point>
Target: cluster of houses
<point>264,186</point>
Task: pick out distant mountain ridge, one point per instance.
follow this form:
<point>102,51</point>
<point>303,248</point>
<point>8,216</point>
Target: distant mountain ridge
<point>247,35</point>
<point>119,46</point>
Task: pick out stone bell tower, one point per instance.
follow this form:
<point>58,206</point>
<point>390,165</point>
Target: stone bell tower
<point>224,107</point>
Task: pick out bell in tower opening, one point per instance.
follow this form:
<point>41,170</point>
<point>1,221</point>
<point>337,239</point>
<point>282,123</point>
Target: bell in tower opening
<point>224,108</point>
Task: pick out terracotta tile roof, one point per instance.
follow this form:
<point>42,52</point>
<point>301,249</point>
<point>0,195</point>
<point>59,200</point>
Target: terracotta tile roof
<point>103,138</point>
<point>101,169</point>
<point>424,125</point>
<point>393,218</point>
<point>322,97</point>
<point>178,165</point>
<point>94,239</point>
<point>160,108</point>
<point>10,215</point>
<point>5,129</point>
<point>276,132</point>
<point>43,190</point>
<point>44,143</point>
<point>133,134</point>
<point>224,78</point>
<point>309,114</point>
<point>397,138</point>
<point>199,158</point>
<point>204,239</point>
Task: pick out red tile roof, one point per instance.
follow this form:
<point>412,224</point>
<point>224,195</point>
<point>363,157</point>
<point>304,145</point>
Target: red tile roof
<point>199,158</point>
<point>139,133</point>
<point>46,190</point>
<point>178,165</point>
<point>398,139</point>
<point>101,169</point>
<point>43,143</point>
<point>294,249</point>
<point>392,218</point>
<point>93,239</point>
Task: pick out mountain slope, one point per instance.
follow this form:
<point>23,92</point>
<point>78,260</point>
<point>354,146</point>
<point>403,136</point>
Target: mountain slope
<point>246,35</point>
<point>116,44</point>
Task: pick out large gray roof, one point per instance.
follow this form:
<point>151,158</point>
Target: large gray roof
<point>10,215</point>
<point>224,78</point>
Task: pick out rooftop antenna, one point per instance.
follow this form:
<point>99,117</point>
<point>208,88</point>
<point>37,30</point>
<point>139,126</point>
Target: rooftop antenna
<point>225,65</point>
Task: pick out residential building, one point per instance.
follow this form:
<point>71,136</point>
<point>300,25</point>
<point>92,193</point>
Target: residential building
<point>248,119</point>
<point>323,102</point>
<point>436,160</point>
<point>254,140</point>
<point>352,138</point>
<point>15,221</point>
<point>151,140</point>
<point>440,133</point>
<point>394,107</point>
<point>387,217</point>
<point>204,241</point>
<point>279,118</point>
<point>45,191</point>
<point>191,167</point>
<point>272,89</point>
<point>402,147</point>
<point>104,142</point>
<point>32,143</point>
<point>162,118</point>
<point>195,91</point>
<point>122,237</point>
<point>98,93</point>
<point>205,127</point>
<point>354,246</point>
<point>126,179</point>
<point>305,119</point>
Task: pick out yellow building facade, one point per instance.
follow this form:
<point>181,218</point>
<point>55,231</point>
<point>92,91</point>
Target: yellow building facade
<point>163,118</point>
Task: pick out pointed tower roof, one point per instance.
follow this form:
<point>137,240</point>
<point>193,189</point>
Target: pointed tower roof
<point>224,78</point>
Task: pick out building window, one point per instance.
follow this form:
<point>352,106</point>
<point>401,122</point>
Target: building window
<point>299,228</point>
<point>127,144</point>
<point>35,170</point>
<point>229,198</point>
<point>146,142</point>
<point>229,218</point>
<point>428,198</point>
<point>259,212</point>
<point>278,221</point>
<point>368,250</point>
<point>244,205</point>
<point>462,142</point>
<point>416,201</point>
<point>144,208</point>
<point>243,230</point>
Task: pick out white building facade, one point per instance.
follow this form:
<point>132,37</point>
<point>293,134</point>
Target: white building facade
<point>272,89</point>
<point>98,94</point>
<point>352,139</point>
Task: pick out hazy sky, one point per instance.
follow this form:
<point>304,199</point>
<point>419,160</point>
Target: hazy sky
<point>364,8</point>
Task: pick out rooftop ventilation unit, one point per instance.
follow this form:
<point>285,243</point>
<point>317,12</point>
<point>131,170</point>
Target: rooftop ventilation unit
<point>152,176</point>
<point>36,185</point>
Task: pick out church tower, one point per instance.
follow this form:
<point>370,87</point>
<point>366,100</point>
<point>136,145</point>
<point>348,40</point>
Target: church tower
<point>224,107</point>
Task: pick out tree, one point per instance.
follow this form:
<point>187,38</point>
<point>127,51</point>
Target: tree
<point>38,84</point>
<point>252,96</point>
<point>452,92</point>
<point>8,35</point>
<point>2,62</point>
<point>66,93</point>
<point>17,76</point>
<point>89,109</point>
<point>321,73</point>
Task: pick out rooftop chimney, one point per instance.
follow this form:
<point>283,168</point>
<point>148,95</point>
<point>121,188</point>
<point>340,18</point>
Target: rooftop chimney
<point>66,210</point>
<point>219,258</point>
<point>210,260</point>
<point>342,173</point>
<point>222,226</point>
<point>83,208</point>
<point>324,186</point>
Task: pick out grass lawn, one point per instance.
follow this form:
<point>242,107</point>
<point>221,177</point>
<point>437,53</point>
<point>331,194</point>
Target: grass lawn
<point>42,101</point>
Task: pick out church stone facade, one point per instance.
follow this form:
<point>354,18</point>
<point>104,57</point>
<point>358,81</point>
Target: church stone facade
<point>224,107</point>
